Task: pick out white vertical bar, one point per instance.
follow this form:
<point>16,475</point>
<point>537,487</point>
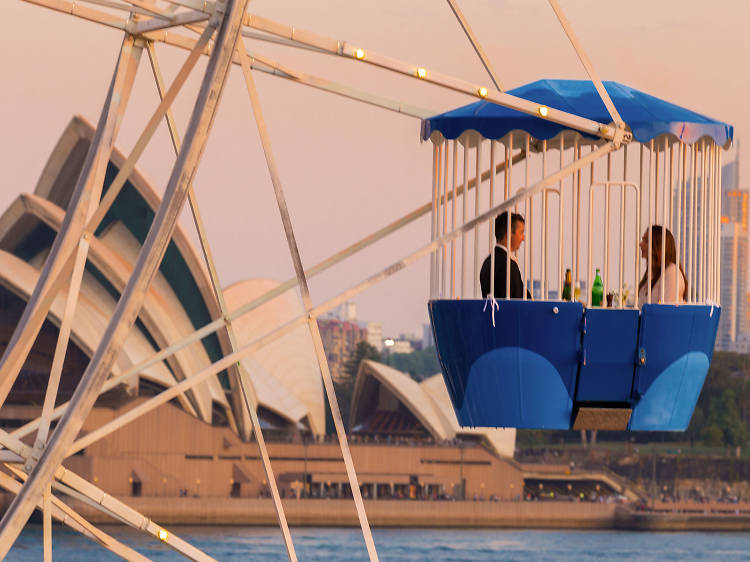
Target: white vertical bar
<point>466,145</point>
<point>639,213</point>
<point>671,188</point>
<point>717,227</point>
<point>438,214</point>
<point>651,198</point>
<point>492,219</point>
<point>683,208</point>
<point>433,214</point>
<point>716,219</point>
<point>657,168</point>
<point>607,226</point>
<point>716,248</point>
<point>718,231</point>
<point>528,209</point>
<point>702,258</point>
<point>560,228</point>
<point>589,300</point>
<point>664,207</point>
<point>696,221</point>
<point>509,167</point>
<point>443,247</point>
<point>476,213</point>
<point>711,215</point>
<point>678,233</point>
<point>590,264</point>
<point>576,218</point>
<point>509,231</point>
<point>453,220</point>
<point>492,195</point>
<point>707,225</point>
<point>716,222</point>
<point>543,280</point>
<point>622,222</point>
<point>508,228</point>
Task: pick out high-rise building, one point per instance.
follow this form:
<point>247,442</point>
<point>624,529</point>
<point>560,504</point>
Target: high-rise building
<point>734,255</point>
<point>735,299</point>
<point>735,319</point>
<point>375,335</point>
<point>340,339</point>
<point>734,206</point>
<point>347,312</point>
<point>428,338</point>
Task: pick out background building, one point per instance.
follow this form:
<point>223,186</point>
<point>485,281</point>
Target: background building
<point>375,335</point>
<point>428,338</point>
<point>340,339</point>
<point>734,326</point>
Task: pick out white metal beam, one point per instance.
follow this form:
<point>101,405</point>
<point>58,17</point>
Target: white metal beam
<point>144,26</point>
<point>107,503</point>
<point>148,132</point>
<point>60,348</point>
<point>83,12</point>
<point>85,197</point>
<point>249,402</point>
<point>72,519</point>
<point>145,268</point>
<point>619,123</point>
<point>306,301</point>
<point>475,43</point>
<point>342,48</point>
<point>239,425</point>
<point>265,64</point>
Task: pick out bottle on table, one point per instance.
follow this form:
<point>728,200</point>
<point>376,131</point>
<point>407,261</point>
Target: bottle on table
<point>597,290</point>
<point>567,288</point>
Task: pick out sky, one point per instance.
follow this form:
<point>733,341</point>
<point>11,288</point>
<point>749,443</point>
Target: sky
<point>348,168</point>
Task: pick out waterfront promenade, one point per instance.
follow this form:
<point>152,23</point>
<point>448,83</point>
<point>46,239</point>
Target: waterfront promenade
<point>685,516</point>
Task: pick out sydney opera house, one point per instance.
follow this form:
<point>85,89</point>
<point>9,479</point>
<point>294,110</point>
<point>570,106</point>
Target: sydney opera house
<point>405,439</point>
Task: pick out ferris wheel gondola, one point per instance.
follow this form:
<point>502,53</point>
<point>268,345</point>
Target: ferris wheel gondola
<point>637,364</point>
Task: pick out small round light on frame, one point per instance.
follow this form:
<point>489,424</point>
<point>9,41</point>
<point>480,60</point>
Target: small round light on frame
<point>421,72</point>
<point>360,54</point>
<point>543,110</point>
<point>482,92</point>
<point>163,535</point>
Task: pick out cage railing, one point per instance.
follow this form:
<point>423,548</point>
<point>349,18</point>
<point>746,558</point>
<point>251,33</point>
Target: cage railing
<point>674,185</point>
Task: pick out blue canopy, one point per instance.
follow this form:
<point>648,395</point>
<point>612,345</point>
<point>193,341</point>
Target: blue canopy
<point>647,116</point>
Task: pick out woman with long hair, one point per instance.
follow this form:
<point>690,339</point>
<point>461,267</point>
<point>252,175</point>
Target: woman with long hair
<point>661,236</point>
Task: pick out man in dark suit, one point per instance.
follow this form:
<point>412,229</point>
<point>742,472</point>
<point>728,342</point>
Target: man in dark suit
<point>517,226</point>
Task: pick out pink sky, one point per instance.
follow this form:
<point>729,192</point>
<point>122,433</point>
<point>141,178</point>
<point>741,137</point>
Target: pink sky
<point>348,168</point>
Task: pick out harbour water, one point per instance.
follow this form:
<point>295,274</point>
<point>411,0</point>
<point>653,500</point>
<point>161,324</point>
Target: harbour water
<point>336,544</point>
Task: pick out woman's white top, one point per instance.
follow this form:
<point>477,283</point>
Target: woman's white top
<point>670,296</point>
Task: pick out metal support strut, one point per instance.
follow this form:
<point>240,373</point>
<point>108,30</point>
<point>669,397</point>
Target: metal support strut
<point>145,269</point>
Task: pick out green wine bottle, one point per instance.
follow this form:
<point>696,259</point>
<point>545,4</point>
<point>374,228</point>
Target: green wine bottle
<point>597,290</point>
<point>567,288</point>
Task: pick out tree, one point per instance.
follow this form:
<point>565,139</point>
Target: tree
<point>713,435</point>
<point>345,388</point>
<point>418,364</point>
<point>363,351</point>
